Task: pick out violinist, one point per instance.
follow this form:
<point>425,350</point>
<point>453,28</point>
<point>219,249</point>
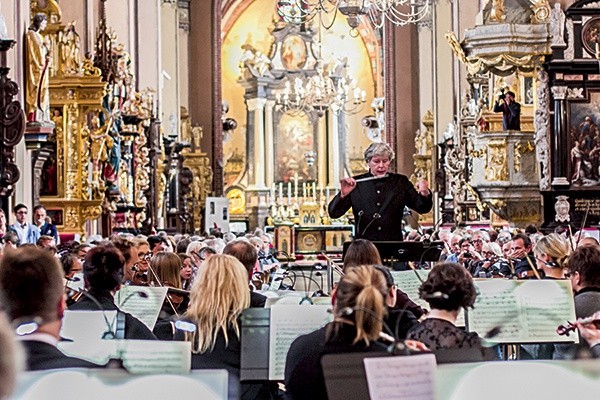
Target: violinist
<point>187,270</point>
<point>589,329</point>
<point>103,274</point>
<point>165,271</point>
<point>133,269</point>
<point>582,269</point>
<point>551,253</point>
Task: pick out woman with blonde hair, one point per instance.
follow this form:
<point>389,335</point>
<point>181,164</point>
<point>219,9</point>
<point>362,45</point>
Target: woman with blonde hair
<point>218,297</point>
<point>359,307</point>
<point>551,253</point>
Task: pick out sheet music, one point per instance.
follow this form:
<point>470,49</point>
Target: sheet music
<point>409,283</point>
<point>87,325</point>
<point>139,356</point>
<point>287,323</point>
<point>401,377</point>
<point>525,311</point>
<point>146,309</point>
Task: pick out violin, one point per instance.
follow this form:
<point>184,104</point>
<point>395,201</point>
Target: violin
<point>565,330</point>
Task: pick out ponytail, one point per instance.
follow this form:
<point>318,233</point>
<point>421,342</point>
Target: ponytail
<point>360,298</point>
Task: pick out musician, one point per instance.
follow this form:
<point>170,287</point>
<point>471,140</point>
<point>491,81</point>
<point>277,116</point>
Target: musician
<point>378,204</point>
<point>103,274</point>
<point>10,359</point>
<point>352,330</point>
<point>131,273</point>
<point>218,298</point>
<point>493,264</point>
<point>551,253</point>
<point>246,253</point>
<point>582,269</point>
<point>363,252</point>
<point>448,288</point>
<point>32,294</point>
<point>591,333</point>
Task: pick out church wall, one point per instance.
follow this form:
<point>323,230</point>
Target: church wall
<point>444,105</point>
<point>170,73</point>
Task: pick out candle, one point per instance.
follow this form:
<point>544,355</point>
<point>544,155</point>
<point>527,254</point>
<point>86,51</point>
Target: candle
<point>296,187</point>
<point>327,195</point>
<point>273,191</point>
<point>280,192</point>
<point>314,191</point>
<point>289,192</point>
<point>304,190</point>
<point>320,192</point>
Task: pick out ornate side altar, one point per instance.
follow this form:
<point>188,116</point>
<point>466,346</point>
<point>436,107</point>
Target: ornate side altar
<point>64,179</point>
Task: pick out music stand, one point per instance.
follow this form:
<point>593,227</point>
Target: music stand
<point>392,252</point>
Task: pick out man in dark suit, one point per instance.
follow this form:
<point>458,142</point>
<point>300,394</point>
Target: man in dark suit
<point>32,295</point>
<point>246,253</point>
<point>378,197</point>
<point>103,274</point>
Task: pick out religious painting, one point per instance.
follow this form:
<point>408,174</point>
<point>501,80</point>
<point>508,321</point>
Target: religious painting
<point>49,177</point>
<point>55,215</point>
<point>590,35</point>
<point>293,53</point>
<point>295,151</point>
<point>527,91</point>
<point>584,143</point>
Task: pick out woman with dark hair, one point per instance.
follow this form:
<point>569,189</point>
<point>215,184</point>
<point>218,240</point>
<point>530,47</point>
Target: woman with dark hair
<point>361,252</point>
<point>103,274</point>
<point>448,288</point>
<point>359,306</point>
<point>364,252</point>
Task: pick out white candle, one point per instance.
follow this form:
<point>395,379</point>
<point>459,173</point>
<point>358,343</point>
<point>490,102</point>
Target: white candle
<point>289,192</point>
<point>314,191</point>
<point>280,192</point>
<point>296,187</point>
<point>273,191</point>
<point>304,190</point>
<point>327,195</point>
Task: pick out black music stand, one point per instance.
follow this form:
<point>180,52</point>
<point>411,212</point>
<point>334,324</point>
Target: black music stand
<point>393,252</point>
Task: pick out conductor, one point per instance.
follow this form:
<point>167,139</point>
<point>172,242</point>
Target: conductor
<point>378,197</point>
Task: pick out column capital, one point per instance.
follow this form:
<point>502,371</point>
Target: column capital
<point>559,92</point>
<point>256,104</point>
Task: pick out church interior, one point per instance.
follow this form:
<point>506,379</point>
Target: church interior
<point>194,118</point>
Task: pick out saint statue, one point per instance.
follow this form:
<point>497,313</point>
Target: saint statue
<point>70,55</point>
<point>37,60</point>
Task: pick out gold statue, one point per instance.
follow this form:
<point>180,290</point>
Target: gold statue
<point>497,11</point>
<point>101,142</point>
<point>37,97</point>
<point>70,55</point>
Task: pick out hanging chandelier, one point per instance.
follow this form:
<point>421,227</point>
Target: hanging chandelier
<point>321,92</point>
<point>398,12</point>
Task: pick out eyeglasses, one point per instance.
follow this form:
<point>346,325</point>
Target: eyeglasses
<point>477,241</point>
<point>568,274</point>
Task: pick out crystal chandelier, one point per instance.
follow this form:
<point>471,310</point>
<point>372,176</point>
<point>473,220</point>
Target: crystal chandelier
<point>398,12</point>
<point>321,92</point>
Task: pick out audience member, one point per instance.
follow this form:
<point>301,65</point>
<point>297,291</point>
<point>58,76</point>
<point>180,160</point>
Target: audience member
<point>44,223</point>
<point>27,233</point>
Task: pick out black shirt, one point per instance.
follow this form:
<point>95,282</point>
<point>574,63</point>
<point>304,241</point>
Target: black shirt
<point>378,206</point>
<point>42,356</point>
<point>303,372</point>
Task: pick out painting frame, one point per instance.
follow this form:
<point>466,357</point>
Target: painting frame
<point>590,35</point>
<point>583,142</point>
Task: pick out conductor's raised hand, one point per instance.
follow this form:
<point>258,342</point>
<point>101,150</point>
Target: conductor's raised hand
<point>347,185</point>
<point>423,187</point>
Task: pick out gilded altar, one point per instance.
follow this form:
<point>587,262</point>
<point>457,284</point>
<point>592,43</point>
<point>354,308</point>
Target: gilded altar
<point>63,175</point>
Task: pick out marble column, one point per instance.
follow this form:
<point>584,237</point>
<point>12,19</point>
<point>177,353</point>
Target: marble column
<point>335,149</point>
<point>269,144</point>
<point>559,143</point>
<point>257,179</point>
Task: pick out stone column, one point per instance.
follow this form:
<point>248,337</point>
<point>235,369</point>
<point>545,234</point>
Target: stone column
<point>269,147</point>
<point>559,143</point>
<point>257,107</point>
<point>335,150</point>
